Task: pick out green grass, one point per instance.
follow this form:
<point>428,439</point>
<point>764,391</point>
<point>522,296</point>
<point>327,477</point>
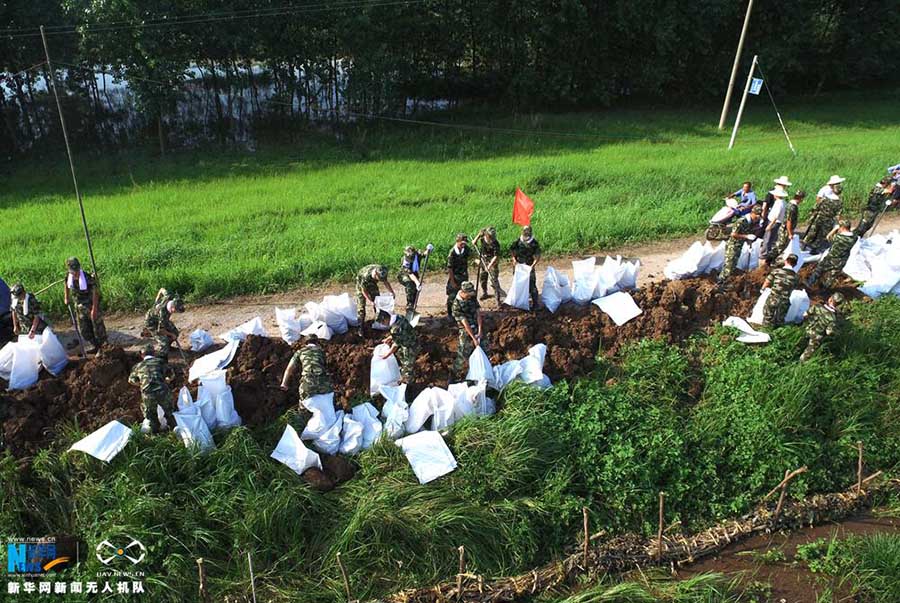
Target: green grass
<point>867,567</point>
<point>220,223</point>
<point>661,588</point>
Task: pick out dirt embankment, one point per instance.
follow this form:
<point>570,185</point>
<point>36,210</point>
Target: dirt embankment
<point>95,391</point>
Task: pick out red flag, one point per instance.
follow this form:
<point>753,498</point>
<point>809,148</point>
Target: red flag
<point>523,208</point>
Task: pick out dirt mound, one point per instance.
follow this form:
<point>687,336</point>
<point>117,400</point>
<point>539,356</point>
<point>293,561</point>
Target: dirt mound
<point>96,391</point>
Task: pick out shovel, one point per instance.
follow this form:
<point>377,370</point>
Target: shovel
<point>483,266</point>
<point>411,316</point>
<point>77,332</point>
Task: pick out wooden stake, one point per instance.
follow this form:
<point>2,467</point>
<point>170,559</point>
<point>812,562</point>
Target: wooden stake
<point>201,570</point>
<point>462,570</point>
<point>786,479</point>
<point>252,577</point>
<point>659,534</point>
<point>587,536</point>
<point>859,468</point>
<point>780,504</point>
<point>344,576</point>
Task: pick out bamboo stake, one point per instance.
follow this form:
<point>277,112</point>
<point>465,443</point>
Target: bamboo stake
<point>781,497</point>
<point>201,570</point>
<point>873,476</point>
<point>462,570</point>
<point>252,577</point>
<point>587,536</point>
<point>859,467</point>
<point>344,576</point>
<point>787,478</point>
<point>659,534</point>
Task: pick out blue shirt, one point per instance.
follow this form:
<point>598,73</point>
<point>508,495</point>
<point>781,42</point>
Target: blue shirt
<point>746,199</point>
<point>5,297</point>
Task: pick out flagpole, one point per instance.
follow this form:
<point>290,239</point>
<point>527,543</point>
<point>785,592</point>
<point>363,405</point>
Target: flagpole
<point>737,121</point>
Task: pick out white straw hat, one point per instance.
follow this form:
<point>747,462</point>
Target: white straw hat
<point>778,192</point>
<point>835,179</point>
<point>783,181</point>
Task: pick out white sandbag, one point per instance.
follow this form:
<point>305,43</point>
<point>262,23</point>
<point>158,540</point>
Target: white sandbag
<point>619,306</point>
<point>226,416</point>
<point>290,326</point>
<point>291,452</point>
<point>200,340</point>
<point>26,365</point>
<point>185,399</point>
<point>610,275</point>
<point>420,410</point>
<point>105,443</point>
<point>163,422</point>
<point>477,395</point>
<point>213,383</point>
<point>756,316</point>
<point>253,326</point>
<point>748,333</point>
<point>385,303</point>
<point>428,455</point>
<point>450,405</point>
<point>322,408</point>
<point>6,358</point>
<point>506,373</point>
<point>584,280</point>
<point>193,430</point>
<point>554,291</point>
<point>344,305</point>
<point>395,410</point>
<point>330,312</point>
<point>329,442</point>
<point>206,405</point>
<point>798,308</point>
<point>53,354</point>
<point>319,329</point>
<point>367,416</point>
<point>749,259</point>
<point>351,436</point>
<point>533,364</point>
<point>480,367</point>
<point>383,371</point>
<point>716,257</point>
<point>630,276</point>
<point>687,264</point>
<point>519,295</point>
<point>213,361</point>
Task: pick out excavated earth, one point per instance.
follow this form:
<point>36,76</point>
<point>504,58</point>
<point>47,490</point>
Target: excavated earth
<point>95,391</point>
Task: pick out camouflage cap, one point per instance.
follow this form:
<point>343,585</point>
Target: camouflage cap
<point>491,231</point>
<point>837,298</point>
<point>467,287</point>
<point>178,303</point>
<point>409,250</point>
<point>526,230</point>
<point>382,272</point>
<point>756,209</point>
<point>73,264</point>
<point>800,194</point>
<point>148,350</point>
<point>18,290</point>
<point>461,236</point>
<point>845,223</point>
<point>792,258</point>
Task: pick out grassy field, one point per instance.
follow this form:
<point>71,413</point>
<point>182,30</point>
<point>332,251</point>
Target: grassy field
<point>221,223</point>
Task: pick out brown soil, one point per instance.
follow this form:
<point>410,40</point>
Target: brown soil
<point>96,391</point>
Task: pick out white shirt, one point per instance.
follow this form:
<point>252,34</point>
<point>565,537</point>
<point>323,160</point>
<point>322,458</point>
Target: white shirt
<point>826,192</point>
<point>776,212</point>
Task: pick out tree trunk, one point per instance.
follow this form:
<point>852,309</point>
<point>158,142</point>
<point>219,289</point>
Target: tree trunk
<point>161,134</point>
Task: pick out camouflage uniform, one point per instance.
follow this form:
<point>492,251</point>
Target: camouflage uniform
<point>874,207</point>
<point>404,337</point>
<point>733,247</point>
<point>791,215</point>
<point>821,222</point>
<point>93,331</point>
<point>830,267</point>
<point>150,374</point>
<point>821,322</point>
<point>782,281</point>
<point>527,253</point>
<point>458,263</point>
<point>366,282</point>
<point>158,321</point>
<point>403,276</point>
<point>466,310</point>
<point>313,376</point>
<point>489,251</point>
<point>25,320</point>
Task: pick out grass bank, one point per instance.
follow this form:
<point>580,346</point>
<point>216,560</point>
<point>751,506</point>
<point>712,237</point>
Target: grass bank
<point>215,224</point>
<point>714,424</point>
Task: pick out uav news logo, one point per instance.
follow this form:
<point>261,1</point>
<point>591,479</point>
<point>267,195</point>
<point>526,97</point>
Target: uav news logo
<point>134,551</point>
<point>33,556</point>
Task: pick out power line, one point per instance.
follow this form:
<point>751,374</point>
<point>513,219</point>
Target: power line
<point>22,72</point>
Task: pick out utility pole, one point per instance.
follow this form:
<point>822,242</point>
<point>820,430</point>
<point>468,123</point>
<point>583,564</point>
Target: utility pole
<point>737,120</point>
<point>62,121</point>
<point>734,68</point>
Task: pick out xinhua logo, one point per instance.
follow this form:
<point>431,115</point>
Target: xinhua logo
<point>134,552</point>
<point>32,557</point>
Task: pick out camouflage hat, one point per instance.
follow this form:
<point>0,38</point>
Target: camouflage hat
<point>837,298</point>
<point>467,287</point>
<point>492,232</point>
<point>756,209</point>
<point>409,251</point>
<point>792,258</point>
<point>461,236</point>
<point>18,290</point>
<point>800,194</point>
<point>845,223</point>
<point>311,338</point>
<point>148,350</point>
<point>73,264</point>
<point>382,273</point>
<point>178,303</point>
<point>526,230</point>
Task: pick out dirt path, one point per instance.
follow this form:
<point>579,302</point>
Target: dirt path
<point>218,317</point>
<point>759,558</point>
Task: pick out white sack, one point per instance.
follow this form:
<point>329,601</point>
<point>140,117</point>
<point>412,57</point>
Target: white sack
<point>212,384</point>
<point>200,340</point>
<point>585,280</point>
<point>519,295</point>
<point>206,405</point>
<point>799,306</point>
<point>344,305</point>
<point>480,367</point>
<point>333,319</point>
<point>185,399</point>
<point>756,316</point>
<point>289,325</point>
<point>477,397</point>
<point>193,429</point>
<point>533,364</point>
<point>619,306</point>
<point>450,405</point>
<point>240,332</point>
<point>687,264</point>
<point>428,455</point>
<point>630,276</point>
<point>351,436</point>
<point>163,422</point>
<point>26,360</point>
<point>322,408</point>
<point>749,259</point>
<point>226,415</point>
<point>716,256</point>
<point>330,441</point>
<point>213,361</point>
<point>319,329</point>
<point>748,333</point>
<point>420,410</point>
<point>106,442</point>
<point>556,289</point>
<point>506,373</point>
<point>53,355</point>
<point>291,451</point>
<point>395,410</point>
<point>6,358</point>
<point>383,371</point>
<point>367,416</point>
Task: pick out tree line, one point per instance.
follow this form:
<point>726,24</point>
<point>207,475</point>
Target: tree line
<point>240,63</point>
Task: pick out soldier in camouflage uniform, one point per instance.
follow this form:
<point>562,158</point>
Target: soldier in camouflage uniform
<point>467,314</point>
<point>82,286</point>
<point>829,268</point>
<point>791,220</point>
<point>404,343</point>
<point>367,280</point>
<point>879,199</point>
<point>741,231</point>
<point>457,269</point>
<point>150,374</point>
<point>781,283</point>
<point>408,275</point>
<point>27,317</point>
<point>824,215</point>
<point>158,321</point>
<point>489,249</point>
<point>526,250</point>
<point>821,322</point>
<point>314,379</point>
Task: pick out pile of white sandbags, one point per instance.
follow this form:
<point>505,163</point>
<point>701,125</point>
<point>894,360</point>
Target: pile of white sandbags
<point>253,326</point>
<point>213,409</point>
<point>529,370</point>
<point>592,282</point>
<point>876,263</point>
<point>335,314</point>
<point>21,360</point>
<point>700,258</point>
<point>799,306</point>
<point>332,431</point>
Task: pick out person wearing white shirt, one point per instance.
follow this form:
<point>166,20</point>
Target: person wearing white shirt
<point>776,219</point>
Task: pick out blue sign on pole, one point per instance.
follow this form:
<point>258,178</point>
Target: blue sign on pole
<point>756,85</point>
